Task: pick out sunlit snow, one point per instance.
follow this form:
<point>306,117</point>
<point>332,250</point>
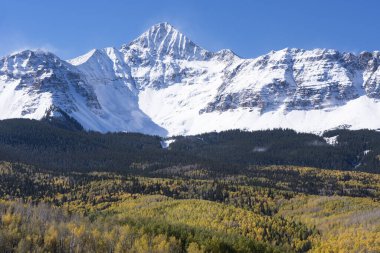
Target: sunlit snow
<point>162,83</point>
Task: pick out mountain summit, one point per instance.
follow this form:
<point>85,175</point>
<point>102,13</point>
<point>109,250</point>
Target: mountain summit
<point>163,40</point>
<point>163,83</point>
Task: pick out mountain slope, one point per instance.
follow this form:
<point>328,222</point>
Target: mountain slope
<point>34,82</point>
<point>37,85</point>
<point>163,83</point>
<point>43,145</point>
<point>116,92</point>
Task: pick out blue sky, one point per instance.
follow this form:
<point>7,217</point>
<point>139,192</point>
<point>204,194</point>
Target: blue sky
<point>250,28</point>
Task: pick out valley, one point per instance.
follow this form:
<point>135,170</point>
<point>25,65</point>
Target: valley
<point>65,190</point>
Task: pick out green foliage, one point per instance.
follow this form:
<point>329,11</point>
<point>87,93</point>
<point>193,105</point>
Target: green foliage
<point>315,181</point>
<point>347,224</point>
<point>48,147</point>
<point>172,208</point>
<point>263,211</point>
<point>40,228</point>
<point>56,148</point>
<point>202,220</point>
<point>217,192</point>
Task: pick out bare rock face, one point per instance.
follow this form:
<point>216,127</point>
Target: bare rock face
<point>296,79</point>
<point>163,83</point>
<point>155,56</point>
<point>43,79</point>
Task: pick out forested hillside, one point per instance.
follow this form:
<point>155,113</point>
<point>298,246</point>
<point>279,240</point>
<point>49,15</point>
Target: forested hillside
<point>67,190</point>
<point>47,146</point>
<point>98,211</point>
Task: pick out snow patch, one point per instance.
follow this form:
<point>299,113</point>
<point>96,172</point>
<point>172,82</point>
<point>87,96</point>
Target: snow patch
<point>333,141</point>
<point>166,143</point>
<point>260,149</point>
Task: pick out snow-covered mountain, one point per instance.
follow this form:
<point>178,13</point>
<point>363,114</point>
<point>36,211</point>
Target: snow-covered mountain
<point>163,83</point>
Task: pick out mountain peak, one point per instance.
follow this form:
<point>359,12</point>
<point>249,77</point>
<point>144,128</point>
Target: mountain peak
<point>29,60</point>
<point>84,58</point>
<point>163,28</point>
<point>29,53</point>
<point>163,25</point>
<point>162,40</point>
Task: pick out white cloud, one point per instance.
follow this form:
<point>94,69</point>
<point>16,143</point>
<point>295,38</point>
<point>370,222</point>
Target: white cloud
<point>16,42</point>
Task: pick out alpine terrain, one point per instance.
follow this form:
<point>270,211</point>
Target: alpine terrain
<point>164,84</point>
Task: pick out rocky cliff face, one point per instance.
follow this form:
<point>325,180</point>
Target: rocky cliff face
<point>295,79</point>
<point>34,81</point>
<point>163,83</point>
